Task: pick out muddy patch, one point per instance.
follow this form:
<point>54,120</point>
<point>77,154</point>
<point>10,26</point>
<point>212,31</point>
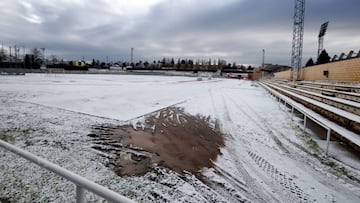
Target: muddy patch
<point>168,138</point>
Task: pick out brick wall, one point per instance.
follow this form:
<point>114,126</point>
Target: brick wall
<point>257,74</point>
<point>344,70</point>
<point>282,75</point>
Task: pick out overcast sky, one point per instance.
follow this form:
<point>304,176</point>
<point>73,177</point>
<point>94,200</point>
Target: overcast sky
<point>235,30</point>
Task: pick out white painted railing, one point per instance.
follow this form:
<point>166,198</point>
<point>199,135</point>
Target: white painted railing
<point>301,110</point>
<point>80,182</point>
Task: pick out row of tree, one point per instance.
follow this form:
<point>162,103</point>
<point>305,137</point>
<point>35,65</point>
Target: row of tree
<point>36,57</point>
<point>171,63</point>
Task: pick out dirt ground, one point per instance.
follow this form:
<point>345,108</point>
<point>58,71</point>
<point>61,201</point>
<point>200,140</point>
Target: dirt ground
<point>169,138</point>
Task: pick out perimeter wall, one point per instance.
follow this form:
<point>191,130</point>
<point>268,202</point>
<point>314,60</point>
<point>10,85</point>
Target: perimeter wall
<point>344,70</point>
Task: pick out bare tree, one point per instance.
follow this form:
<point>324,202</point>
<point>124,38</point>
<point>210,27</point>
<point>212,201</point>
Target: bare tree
<point>3,55</point>
<point>54,59</point>
<point>37,55</point>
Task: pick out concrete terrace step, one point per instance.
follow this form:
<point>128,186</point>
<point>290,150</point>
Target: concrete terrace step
<point>352,137</point>
<point>340,94</point>
<point>340,112</point>
<point>352,87</point>
<point>350,106</point>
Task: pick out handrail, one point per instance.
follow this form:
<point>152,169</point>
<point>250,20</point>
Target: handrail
<point>306,115</point>
<point>79,181</point>
<point>319,120</point>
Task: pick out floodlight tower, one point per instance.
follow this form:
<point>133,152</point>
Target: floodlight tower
<point>322,32</point>
<point>298,32</point>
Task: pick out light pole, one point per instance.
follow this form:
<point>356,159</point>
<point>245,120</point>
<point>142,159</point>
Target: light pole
<point>16,49</point>
<point>132,55</point>
<point>263,58</point>
<point>23,55</point>
<point>3,54</point>
<point>322,32</point>
<point>10,59</point>
<point>17,55</point>
<point>43,50</point>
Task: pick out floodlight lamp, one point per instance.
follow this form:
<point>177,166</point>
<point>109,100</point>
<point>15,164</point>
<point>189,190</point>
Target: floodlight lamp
<point>323,29</point>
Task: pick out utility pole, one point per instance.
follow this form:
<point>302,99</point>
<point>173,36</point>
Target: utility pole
<point>17,55</point>
<point>298,33</point>
<point>10,60</point>
<point>263,58</point>
<point>2,52</point>
<point>24,55</point>
<point>43,50</point>
<point>132,56</point>
<point>15,47</point>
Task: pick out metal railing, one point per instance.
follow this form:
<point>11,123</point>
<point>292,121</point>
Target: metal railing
<point>306,114</point>
<point>80,182</point>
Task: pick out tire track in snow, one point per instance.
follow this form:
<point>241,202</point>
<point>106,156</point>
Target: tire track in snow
<point>281,179</point>
<point>234,182</point>
<point>299,158</point>
<point>266,127</point>
<point>260,124</point>
<point>293,192</point>
<point>239,186</point>
<point>312,165</point>
<point>253,192</point>
<point>226,115</point>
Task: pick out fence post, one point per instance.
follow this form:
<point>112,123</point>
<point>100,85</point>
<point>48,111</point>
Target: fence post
<point>328,140</point>
<point>304,122</point>
<point>80,194</point>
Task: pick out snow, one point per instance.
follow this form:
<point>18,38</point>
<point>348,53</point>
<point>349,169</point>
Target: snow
<point>265,157</point>
<point>338,100</point>
<point>113,97</point>
<point>336,84</point>
<point>335,110</point>
<point>330,90</point>
<point>351,136</point>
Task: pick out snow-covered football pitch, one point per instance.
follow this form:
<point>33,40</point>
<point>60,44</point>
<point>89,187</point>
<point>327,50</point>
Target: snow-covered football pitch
<point>266,157</point>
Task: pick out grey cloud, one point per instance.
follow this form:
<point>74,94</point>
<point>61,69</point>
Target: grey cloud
<point>235,30</point>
